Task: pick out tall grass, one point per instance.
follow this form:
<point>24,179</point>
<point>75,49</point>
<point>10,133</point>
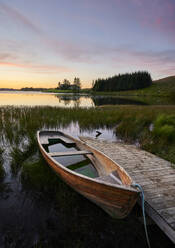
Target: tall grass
<point>38,177</point>
<point>19,126</point>
<point>164,126</point>
<point>2,173</point>
<point>20,153</point>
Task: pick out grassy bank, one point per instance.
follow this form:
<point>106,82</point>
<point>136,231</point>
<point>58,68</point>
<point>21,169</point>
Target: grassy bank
<point>152,129</point>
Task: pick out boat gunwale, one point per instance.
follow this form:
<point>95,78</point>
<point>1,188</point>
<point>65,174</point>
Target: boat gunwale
<point>122,187</point>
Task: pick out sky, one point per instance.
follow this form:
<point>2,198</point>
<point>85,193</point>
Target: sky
<point>43,42</point>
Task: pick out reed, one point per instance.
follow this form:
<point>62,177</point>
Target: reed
<point>37,176</point>
<point>20,153</point>
<point>164,126</point>
<point>2,172</point>
<point>20,124</point>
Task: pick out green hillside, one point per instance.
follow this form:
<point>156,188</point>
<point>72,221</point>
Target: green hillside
<point>164,87</point>
<point>170,80</point>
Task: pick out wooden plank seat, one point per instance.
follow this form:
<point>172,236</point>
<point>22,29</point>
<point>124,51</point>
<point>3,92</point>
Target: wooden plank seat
<point>71,153</point>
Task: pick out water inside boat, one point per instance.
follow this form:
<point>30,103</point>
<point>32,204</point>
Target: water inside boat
<point>78,163</point>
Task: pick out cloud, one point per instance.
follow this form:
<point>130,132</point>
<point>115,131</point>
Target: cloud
<point>68,50</point>
<point>37,68</point>
<point>79,53</point>
<point>160,63</point>
<point>14,14</point>
<point>14,55</point>
<point>158,15</point>
<point>6,55</point>
<point>17,51</point>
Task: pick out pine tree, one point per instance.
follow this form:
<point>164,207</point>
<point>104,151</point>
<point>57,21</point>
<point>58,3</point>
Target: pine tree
<point>128,81</point>
<point>77,84</point>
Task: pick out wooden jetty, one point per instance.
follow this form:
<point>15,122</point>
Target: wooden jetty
<point>155,175</point>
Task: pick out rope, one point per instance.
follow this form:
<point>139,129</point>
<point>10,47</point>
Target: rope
<point>143,212</point>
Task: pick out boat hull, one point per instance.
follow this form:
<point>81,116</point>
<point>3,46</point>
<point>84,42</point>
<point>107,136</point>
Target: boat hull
<point>116,201</point>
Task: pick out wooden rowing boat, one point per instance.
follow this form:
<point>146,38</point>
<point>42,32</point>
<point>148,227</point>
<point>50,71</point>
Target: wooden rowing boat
<point>89,172</point>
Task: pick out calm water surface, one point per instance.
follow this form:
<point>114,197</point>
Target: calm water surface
<point>31,98</point>
<point>18,98</point>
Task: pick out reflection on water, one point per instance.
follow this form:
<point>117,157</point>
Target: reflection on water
<point>110,100</point>
<point>18,98</point>
<point>74,130</point>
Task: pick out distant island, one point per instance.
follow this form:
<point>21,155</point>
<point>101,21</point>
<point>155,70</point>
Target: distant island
<point>35,89</point>
<point>26,89</point>
<point>8,89</point>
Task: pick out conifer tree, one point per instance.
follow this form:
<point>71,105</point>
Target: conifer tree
<point>128,81</point>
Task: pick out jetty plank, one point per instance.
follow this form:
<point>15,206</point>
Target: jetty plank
<point>154,174</point>
<point>168,214</point>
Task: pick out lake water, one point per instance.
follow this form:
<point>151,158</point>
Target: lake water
<point>17,98</point>
<point>32,98</point>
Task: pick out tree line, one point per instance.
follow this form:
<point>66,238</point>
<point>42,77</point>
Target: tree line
<point>66,85</point>
<point>128,81</point>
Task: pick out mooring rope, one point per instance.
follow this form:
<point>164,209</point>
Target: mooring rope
<point>143,212</point>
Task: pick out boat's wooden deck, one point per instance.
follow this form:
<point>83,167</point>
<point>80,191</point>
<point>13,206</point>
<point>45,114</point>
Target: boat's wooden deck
<point>155,175</point>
